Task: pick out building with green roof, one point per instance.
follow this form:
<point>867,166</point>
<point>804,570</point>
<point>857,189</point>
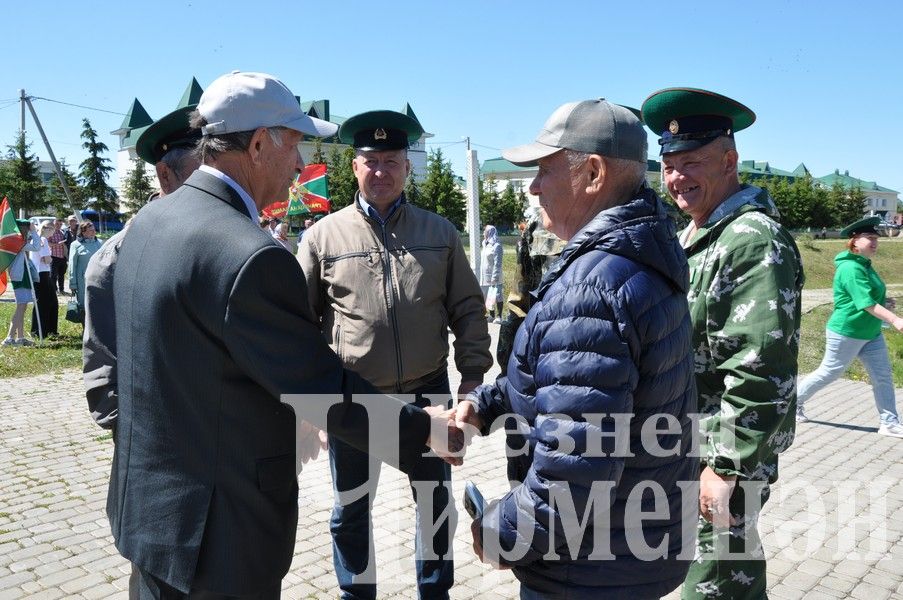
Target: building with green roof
<point>880,200</point>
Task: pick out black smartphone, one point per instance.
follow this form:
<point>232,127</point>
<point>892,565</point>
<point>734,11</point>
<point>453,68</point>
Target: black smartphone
<point>473,501</point>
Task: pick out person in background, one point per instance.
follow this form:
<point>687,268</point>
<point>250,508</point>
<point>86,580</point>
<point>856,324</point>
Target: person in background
<point>861,306</point>
<point>281,236</point>
<point>81,251</point>
<point>491,273</point>
<point>308,223</point>
<point>46,305</point>
<point>264,223</point>
<point>536,251</point>
<point>70,230</point>
<point>21,275</point>
<point>59,254</point>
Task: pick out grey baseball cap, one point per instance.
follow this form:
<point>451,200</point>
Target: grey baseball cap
<point>594,126</point>
<point>241,101</point>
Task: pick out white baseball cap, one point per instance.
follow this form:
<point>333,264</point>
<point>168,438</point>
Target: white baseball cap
<point>241,101</point>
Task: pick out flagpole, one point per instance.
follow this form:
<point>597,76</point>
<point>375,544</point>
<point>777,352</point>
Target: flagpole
<point>34,300</point>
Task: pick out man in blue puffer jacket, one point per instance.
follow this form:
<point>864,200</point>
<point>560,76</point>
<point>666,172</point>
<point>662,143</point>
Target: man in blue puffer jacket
<point>604,503</point>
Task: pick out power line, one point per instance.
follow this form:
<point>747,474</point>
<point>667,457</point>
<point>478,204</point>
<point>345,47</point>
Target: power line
<point>112,112</point>
<point>488,147</point>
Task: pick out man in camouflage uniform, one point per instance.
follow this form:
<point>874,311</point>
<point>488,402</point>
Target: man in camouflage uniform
<point>536,250</point>
<point>746,279</point>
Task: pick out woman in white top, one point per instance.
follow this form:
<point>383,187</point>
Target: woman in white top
<point>46,305</point>
<point>491,273</point>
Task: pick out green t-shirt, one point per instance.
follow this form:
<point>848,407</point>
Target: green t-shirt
<point>856,287</point>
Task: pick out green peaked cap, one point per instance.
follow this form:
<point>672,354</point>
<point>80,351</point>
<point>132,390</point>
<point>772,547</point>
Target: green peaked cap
<point>688,118</point>
<point>167,132</point>
<point>380,130</point>
<point>866,225</point>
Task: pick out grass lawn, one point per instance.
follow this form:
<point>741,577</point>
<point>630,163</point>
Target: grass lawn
<point>63,352</point>
<point>818,260</point>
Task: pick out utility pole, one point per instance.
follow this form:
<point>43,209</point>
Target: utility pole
<point>56,166</point>
<point>22,110</point>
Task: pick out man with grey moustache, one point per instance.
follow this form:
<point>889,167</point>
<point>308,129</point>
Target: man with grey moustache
<point>606,341</point>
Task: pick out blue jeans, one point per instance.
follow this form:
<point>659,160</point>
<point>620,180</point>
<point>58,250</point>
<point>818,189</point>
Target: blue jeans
<point>840,351</point>
<point>356,475</point>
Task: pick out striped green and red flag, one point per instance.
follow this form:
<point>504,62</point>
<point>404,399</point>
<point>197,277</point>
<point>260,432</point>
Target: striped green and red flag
<point>310,192</point>
<point>10,240</point>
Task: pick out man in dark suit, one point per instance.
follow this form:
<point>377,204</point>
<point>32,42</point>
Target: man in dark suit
<point>210,335</point>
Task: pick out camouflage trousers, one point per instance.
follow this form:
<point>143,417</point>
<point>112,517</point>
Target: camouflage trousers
<point>730,562</point>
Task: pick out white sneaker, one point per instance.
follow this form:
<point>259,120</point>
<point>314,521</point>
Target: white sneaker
<point>9,342</point>
<point>891,430</point>
<point>801,416</point>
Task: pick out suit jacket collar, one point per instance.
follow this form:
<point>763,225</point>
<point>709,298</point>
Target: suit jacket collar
<point>218,188</point>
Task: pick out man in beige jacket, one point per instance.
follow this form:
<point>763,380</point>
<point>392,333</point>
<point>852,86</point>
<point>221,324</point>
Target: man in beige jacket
<point>387,280</point>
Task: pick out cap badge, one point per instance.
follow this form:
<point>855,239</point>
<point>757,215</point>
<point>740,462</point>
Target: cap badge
<point>673,127</point>
<point>380,134</point>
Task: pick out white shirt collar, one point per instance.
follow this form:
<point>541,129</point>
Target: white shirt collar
<point>249,202</point>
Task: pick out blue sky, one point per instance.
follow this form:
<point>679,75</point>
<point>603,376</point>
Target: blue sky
<point>824,78</point>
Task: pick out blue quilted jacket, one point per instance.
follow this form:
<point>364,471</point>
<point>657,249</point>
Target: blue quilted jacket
<point>605,347</point>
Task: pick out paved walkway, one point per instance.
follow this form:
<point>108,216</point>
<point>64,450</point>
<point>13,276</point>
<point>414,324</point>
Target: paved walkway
<point>833,528</point>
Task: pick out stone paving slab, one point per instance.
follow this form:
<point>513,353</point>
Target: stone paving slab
<point>832,529</point>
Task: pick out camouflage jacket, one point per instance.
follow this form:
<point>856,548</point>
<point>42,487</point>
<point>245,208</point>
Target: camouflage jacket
<point>746,279</point>
<point>537,249</point>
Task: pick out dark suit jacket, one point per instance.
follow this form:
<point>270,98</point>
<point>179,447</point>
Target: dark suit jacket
<point>211,329</point>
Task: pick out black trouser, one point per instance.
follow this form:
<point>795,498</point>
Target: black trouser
<point>151,588</point>
<point>58,272</point>
<point>46,305</point>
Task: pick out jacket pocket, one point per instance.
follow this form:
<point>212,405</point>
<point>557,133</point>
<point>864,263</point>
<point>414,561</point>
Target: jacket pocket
<point>276,478</point>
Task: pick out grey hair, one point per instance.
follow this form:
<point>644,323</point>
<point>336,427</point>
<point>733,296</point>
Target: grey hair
<point>726,143</point>
<point>209,146</point>
<point>627,174</point>
<point>177,159</point>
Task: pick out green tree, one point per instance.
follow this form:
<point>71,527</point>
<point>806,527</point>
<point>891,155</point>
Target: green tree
<point>95,170</point>
<point>412,192</point>
<point>851,206</point>
<point>489,200</point>
<point>20,178</point>
<point>138,186</point>
<point>821,214</point>
<point>441,190</point>
<point>56,196</point>
<point>318,157</point>
<point>342,183</point>
<point>845,206</point>
<point>511,208</point>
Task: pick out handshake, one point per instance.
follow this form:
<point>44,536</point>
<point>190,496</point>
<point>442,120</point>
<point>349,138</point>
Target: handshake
<point>451,431</point>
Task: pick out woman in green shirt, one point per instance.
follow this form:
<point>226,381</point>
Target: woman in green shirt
<point>854,329</point>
